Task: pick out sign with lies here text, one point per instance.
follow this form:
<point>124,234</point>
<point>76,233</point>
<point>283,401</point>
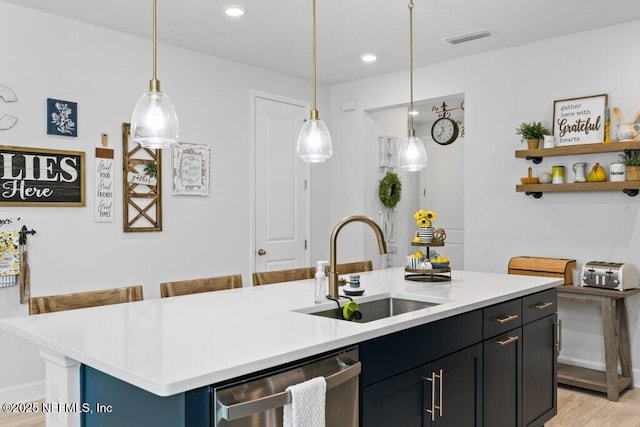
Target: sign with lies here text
<point>41,177</point>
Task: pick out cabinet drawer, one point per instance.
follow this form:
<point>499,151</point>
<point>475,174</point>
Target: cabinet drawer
<point>539,305</point>
<point>501,318</point>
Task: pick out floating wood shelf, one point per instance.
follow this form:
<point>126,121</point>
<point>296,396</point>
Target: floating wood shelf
<point>630,188</point>
<point>537,154</point>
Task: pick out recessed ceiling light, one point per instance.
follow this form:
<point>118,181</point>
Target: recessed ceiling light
<point>234,10</point>
<point>368,57</point>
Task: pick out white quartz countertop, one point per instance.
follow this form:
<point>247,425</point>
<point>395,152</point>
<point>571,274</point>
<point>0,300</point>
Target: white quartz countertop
<point>171,345</point>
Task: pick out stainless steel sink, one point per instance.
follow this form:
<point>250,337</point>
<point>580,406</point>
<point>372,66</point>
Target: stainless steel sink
<point>378,309</point>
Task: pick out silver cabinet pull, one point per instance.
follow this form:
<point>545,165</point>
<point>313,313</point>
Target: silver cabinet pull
<point>507,318</point>
<point>544,305</point>
<point>439,407</point>
<point>432,411</point>
<point>276,400</point>
<point>558,344</point>
<point>507,341</point>
<point>261,252</point>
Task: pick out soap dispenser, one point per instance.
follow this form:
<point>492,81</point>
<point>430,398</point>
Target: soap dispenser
<point>320,286</point>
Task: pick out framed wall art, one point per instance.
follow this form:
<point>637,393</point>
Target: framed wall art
<point>41,177</point>
<point>62,117</point>
<point>7,121</point>
<point>191,169</point>
<point>579,120</point>
<point>142,185</point>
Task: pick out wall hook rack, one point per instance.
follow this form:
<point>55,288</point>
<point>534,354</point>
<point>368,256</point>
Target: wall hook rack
<point>23,234</point>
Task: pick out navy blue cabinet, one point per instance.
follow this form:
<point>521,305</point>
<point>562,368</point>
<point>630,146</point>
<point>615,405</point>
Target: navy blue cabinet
<point>539,379</point>
<point>443,393</point>
<point>493,367</point>
<point>502,383</point>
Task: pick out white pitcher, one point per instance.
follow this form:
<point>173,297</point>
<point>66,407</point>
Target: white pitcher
<point>578,170</point>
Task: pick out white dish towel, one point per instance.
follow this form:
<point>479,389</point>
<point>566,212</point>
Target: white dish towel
<point>307,405</point>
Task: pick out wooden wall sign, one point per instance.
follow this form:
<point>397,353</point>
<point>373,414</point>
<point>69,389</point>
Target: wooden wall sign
<point>41,177</point>
<point>142,200</point>
<point>103,183</point>
<point>579,120</point>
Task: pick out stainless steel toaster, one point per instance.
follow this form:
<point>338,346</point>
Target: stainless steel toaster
<point>610,275</point>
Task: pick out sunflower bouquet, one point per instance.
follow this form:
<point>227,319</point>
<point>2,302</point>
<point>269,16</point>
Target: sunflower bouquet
<point>424,218</point>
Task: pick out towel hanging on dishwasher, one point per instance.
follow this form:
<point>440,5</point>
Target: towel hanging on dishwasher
<point>307,407</point>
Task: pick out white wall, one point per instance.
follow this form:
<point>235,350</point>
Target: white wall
<point>105,72</point>
<point>502,89</point>
<point>392,123</point>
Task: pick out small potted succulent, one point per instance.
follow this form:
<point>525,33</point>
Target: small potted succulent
<point>631,158</point>
<point>532,132</point>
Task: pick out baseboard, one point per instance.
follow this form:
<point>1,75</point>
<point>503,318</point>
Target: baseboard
<point>597,366</point>
<point>27,392</point>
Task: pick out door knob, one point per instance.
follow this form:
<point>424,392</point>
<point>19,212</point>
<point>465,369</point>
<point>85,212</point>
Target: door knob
<point>261,252</point>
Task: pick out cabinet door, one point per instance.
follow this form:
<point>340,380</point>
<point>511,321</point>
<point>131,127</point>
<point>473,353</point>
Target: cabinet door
<point>398,400</point>
<point>502,396</point>
<point>458,392</point>
<point>539,379</point>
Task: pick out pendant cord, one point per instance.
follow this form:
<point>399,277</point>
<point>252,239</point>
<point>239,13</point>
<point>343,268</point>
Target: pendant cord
<point>154,84</point>
<point>411,64</point>
<point>313,54</point>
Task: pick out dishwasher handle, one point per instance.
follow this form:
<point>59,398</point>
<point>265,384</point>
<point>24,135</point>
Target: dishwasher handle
<point>244,409</point>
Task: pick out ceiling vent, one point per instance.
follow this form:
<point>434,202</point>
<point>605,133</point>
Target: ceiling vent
<point>474,35</point>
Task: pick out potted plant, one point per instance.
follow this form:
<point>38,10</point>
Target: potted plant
<point>631,158</point>
<point>532,132</point>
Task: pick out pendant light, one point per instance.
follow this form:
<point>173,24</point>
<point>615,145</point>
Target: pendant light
<point>154,123</point>
<point>412,156</point>
<point>314,140</point>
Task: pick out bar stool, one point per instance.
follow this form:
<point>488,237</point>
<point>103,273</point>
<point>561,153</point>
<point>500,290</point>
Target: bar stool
<point>354,267</point>
<point>268,277</point>
<point>52,303</point>
<point>194,286</point>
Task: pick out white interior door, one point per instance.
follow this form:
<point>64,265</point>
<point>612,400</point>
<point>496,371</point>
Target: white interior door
<point>281,212</point>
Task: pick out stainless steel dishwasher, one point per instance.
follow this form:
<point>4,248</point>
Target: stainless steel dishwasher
<point>258,402</point>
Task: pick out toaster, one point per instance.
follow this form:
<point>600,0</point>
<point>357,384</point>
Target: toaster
<point>609,275</point>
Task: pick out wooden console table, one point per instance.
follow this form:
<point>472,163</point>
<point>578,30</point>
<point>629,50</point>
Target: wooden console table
<point>617,345</point>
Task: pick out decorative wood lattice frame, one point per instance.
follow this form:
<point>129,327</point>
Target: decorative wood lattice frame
<point>142,204</point>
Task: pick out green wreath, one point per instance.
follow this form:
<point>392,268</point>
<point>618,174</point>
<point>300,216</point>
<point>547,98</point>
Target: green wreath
<point>390,190</point>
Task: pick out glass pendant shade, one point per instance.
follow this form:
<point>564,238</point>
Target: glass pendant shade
<point>154,123</point>
<point>314,142</point>
<point>412,156</point>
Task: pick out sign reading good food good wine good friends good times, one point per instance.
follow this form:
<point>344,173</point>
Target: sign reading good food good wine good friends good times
<point>41,177</point>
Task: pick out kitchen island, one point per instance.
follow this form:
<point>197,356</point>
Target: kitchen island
<point>168,347</point>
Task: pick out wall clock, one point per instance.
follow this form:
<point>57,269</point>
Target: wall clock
<point>444,131</point>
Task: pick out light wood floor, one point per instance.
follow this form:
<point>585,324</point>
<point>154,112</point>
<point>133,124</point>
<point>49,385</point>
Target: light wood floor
<point>582,408</point>
<point>22,420</point>
<point>576,408</point>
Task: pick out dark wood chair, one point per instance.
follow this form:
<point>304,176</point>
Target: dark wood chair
<point>354,267</point>
<point>268,277</point>
<point>194,286</point>
<point>52,303</point>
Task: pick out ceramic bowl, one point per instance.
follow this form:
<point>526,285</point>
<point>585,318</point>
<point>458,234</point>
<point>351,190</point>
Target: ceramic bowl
<point>544,178</point>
